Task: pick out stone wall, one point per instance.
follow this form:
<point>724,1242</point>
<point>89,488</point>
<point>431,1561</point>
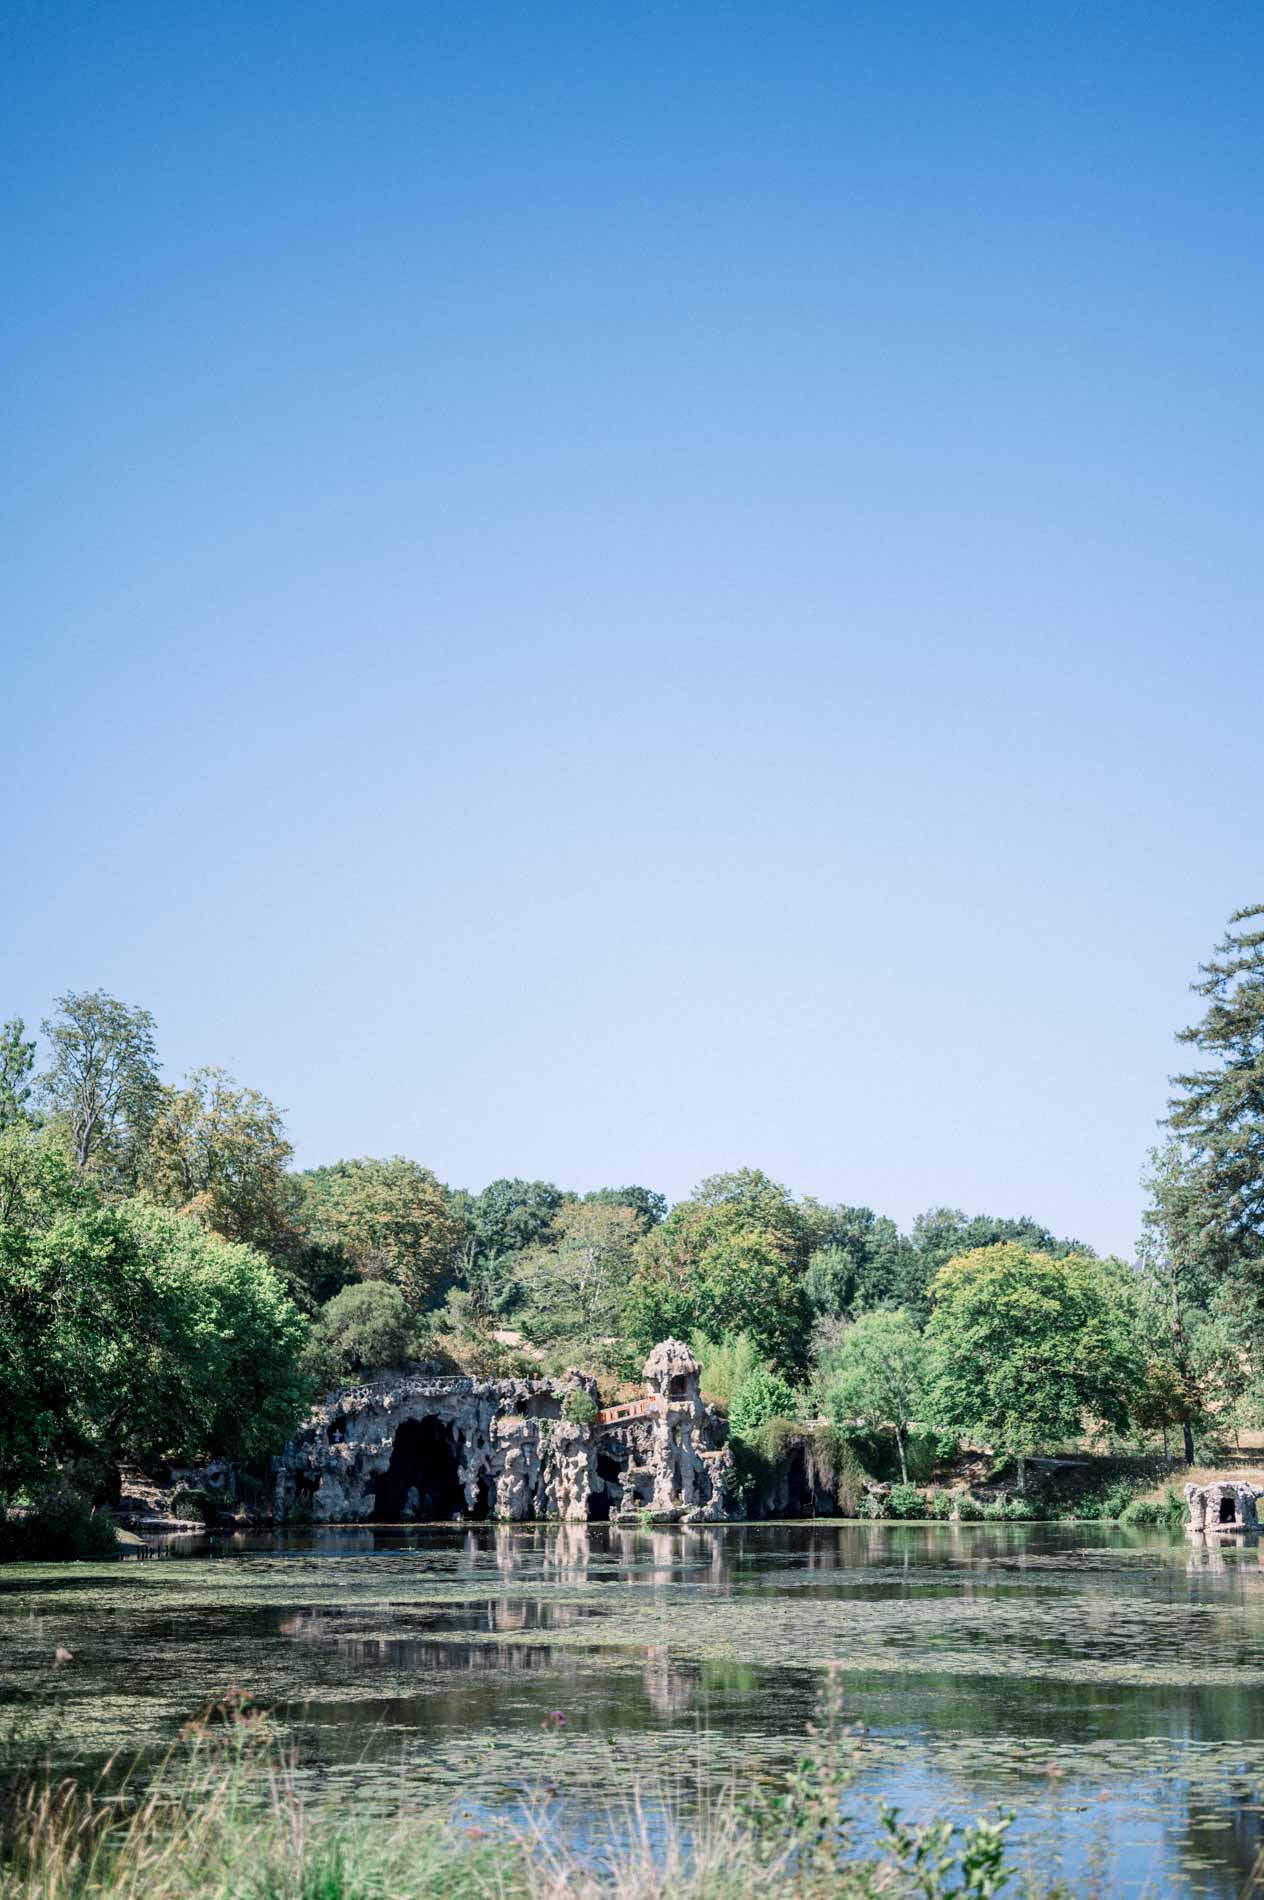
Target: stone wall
<point>418,1446</point>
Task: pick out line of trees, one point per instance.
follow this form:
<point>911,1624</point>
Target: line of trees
<point>170,1286</point>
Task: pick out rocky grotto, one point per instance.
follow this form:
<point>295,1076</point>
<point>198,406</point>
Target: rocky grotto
<point>1227,1506</point>
<point>420,1447</point>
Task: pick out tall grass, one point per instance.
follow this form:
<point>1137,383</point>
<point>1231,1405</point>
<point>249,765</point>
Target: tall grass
<point>226,1819</point>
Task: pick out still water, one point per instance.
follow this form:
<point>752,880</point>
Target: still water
<point>1106,1685</point>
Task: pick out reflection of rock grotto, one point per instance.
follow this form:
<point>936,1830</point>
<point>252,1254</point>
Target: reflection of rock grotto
<point>416,1447</point>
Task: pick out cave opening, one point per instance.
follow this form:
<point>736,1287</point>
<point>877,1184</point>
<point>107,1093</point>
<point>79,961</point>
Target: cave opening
<point>1228,1515</point>
<point>610,1485</point>
<point>421,1484</point>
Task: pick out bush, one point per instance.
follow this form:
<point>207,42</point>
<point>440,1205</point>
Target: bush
<point>969,1510</point>
<point>871,1505</point>
<point>579,1407</point>
<point>906,1500</point>
<point>368,1324</point>
<point>1021,1511</point>
<point>940,1504</point>
<point>726,1365</point>
<point>191,1502</point>
<point>62,1523</point>
<point>1146,1513</point>
<point>762,1395</point>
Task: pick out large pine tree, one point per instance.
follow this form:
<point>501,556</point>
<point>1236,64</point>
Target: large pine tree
<point>1218,1116</point>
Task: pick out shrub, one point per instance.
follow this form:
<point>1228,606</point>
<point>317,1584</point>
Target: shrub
<point>762,1395</point>
<point>368,1324</point>
<point>969,1510</point>
<point>906,1500</point>
<point>188,1501</point>
<point>62,1523</point>
<point>940,1504</point>
<point>871,1505</point>
<point>726,1364</point>
<point>1145,1513</point>
<point>579,1407</point>
<point>1021,1510</point>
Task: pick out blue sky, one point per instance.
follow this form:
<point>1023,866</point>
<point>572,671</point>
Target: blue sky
<point>612,592</point>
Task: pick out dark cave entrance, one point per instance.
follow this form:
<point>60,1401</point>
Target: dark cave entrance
<point>421,1485</point>
<point>1228,1515</point>
<point>610,1482</point>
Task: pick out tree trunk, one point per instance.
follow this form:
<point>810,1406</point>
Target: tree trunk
<point>1022,1471</point>
<point>899,1446</point>
<point>1178,1346</point>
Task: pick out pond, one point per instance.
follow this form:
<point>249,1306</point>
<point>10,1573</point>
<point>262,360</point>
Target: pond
<point>1107,1685</point>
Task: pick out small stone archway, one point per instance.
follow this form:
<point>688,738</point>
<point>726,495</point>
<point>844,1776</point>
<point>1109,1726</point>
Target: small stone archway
<point>422,1482</point>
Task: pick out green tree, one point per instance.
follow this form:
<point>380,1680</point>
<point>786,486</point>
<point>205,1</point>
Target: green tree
<point>762,1395</point>
<point>17,1062</point>
<point>219,1154</point>
<point>102,1081</point>
<point>575,1287</point>
<point>125,1330</point>
<point>881,1371</point>
<point>865,1262</point>
<point>650,1208</point>
<point>497,1226</point>
<point>1025,1347</point>
<point>1180,1263</point>
<point>390,1219</point>
<point>367,1325</point>
<point>715,1276</point>
<point>1218,1113</point>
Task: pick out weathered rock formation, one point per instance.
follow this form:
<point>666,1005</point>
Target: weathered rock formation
<point>1227,1506</point>
<point>418,1446</point>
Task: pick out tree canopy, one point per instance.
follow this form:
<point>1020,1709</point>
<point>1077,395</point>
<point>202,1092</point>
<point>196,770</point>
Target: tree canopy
<point>1025,1347</point>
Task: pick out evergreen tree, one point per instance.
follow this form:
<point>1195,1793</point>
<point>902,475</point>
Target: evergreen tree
<point>1219,1113</point>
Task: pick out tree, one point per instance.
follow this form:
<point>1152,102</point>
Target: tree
<point>650,1208</point>
<point>575,1287</point>
<point>17,1060</point>
<point>865,1262</point>
<point>881,1371</point>
<point>125,1330</point>
<point>1026,1347</point>
<point>1180,1263</point>
<point>762,1395</point>
<point>1218,1114</point>
<point>498,1225</point>
<point>219,1154</point>
<point>103,1081</point>
<point>391,1219</point>
<point>729,1279</point>
<point>365,1326</point>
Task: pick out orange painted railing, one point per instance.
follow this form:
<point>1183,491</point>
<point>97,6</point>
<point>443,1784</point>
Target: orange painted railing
<point>618,1414</point>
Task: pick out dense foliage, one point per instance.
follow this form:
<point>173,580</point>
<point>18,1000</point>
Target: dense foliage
<point>171,1287</point>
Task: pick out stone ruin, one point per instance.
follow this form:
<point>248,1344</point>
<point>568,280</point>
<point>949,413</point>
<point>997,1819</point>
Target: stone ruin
<point>418,1446</point>
<point>1226,1506</point>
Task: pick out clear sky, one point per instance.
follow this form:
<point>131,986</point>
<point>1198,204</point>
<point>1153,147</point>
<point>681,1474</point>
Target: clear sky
<point>610,592</point>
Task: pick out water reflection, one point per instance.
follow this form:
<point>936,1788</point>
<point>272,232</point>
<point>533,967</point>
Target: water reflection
<point>1104,1682</point>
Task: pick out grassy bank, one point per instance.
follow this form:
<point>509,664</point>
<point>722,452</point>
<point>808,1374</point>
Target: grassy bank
<point>226,1819</point>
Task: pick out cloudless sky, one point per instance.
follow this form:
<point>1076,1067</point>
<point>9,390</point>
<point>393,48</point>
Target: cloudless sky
<point>609,592</point>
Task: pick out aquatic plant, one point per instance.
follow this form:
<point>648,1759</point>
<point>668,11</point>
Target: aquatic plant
<point>226,1818</point>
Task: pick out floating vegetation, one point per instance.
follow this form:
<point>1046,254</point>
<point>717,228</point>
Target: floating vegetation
<point>1050,1666</point>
